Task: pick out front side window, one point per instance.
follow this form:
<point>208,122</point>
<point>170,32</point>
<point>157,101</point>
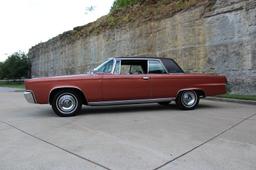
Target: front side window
<point>155,67</point>
<point>133,67</point>
<point>105,67</point>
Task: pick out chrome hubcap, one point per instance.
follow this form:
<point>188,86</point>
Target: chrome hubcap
<point>189,98</point>
<point>67,103</point>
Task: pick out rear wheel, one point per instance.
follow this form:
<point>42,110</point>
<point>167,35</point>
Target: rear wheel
<point>66,103</point>
<point>187,100</point>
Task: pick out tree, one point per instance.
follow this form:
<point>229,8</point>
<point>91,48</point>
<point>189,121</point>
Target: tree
<point>1,66</point>
<point>15,66</point>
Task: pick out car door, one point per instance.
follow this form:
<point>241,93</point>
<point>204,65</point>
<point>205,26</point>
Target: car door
<point>162,84</point>
<point>126,82</point>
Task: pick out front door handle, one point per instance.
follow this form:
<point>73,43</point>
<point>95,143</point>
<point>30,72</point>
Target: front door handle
<point>145,78</point>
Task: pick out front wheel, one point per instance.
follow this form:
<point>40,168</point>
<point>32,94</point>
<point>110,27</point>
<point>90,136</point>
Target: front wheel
<point>187,100</point>
<point>66,103</point>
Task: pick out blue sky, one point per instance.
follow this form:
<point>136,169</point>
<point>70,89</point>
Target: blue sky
<point>25,23</point>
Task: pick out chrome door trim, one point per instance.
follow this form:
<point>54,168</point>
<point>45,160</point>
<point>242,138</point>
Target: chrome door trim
<point>145,77</point>
<point>125,102</point>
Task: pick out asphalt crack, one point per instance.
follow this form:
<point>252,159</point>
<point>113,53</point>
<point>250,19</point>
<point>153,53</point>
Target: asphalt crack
<point>56,146</point>
<point>205,142</point>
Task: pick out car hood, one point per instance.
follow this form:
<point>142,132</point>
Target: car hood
<point>57,78</point>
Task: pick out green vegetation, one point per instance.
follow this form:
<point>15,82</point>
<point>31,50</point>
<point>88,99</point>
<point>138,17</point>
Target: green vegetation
<point>139,11</point>
<point>238,96</point>
<point>179,4</point>
<point>134,12</point>
<point>123,3</point>
<point>16,66</point>
<point>18,85</point>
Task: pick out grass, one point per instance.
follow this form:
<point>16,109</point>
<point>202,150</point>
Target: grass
<point>17,85</point>
<point>238,96</point>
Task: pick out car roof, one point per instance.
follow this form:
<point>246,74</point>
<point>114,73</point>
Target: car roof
<point>141,57</point>
<point>167,62</point>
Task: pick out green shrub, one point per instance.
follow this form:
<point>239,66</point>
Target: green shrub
<point>123,3</point>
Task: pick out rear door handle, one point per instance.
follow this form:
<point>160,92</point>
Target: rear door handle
<point>145,78</point>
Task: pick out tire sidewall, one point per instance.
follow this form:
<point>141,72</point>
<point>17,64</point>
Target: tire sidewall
<point>66,92</point>
<point>181,104</point>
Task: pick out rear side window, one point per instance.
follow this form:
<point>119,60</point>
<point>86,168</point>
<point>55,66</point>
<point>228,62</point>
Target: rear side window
<point>156,67</point>
<point>171,66</point>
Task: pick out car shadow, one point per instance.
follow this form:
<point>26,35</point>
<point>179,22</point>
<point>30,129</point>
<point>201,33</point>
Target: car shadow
<point>125,108</point>
<point>90,110</point>
<point>119,109</point>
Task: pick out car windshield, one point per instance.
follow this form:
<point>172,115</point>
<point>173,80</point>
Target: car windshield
<point>105,67</point>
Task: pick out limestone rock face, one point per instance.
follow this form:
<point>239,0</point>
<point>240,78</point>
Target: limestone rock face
<point>221,40</point>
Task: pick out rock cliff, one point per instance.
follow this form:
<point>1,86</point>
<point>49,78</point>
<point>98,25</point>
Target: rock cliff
<point>209,36</point>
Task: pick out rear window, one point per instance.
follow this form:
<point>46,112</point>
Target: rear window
<point>171,66</point>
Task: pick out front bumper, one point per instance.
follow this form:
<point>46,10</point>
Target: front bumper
<point>29,96</point>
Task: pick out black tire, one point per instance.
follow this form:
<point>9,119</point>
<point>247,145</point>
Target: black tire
<point>164,103</point>
<point>66,103</point>
<point>187,100</point>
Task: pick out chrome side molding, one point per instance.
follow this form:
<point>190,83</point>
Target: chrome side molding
<point>124,102</point>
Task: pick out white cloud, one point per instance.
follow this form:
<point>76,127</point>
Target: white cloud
<point>24,23</point>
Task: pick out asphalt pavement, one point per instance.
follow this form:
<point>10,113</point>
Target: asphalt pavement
<point>7,89</point>
<point>217,135</point>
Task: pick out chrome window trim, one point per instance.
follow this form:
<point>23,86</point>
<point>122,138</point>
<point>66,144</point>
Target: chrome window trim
<point>136,58</point>
<point>119,71</point>
<point>148,67</point>
<point>128,58</point>
<point>114,66</point>
<point>126,102</point>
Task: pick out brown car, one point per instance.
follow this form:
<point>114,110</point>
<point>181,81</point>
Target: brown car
<point>125,80</point>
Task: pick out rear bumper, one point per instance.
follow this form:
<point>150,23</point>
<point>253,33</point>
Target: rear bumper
<point>29,96</point>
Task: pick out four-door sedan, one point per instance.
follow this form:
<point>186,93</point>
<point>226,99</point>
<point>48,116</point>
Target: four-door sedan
<point>125,80</point>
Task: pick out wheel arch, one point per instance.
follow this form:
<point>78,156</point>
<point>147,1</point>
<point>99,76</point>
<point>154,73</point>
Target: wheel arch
<point>200,92</point>
<point>55,90</point>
